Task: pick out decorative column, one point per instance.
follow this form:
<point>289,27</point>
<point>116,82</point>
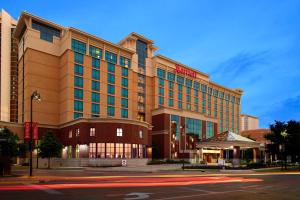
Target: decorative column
<point>236,156</point>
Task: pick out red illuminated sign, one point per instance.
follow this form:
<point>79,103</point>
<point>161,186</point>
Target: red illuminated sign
<point>181,70</point>
<point>35,130</point>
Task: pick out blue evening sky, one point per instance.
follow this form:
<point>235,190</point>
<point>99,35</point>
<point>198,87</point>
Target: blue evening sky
<point>253,45</point>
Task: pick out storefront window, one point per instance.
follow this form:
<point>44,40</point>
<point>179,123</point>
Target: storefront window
<point>127,150</point>
<point>110,150</point>
<point>119,150</point>
<point>101,150</point>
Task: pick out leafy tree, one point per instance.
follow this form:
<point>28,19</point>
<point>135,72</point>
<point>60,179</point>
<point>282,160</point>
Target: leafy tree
<point>50,147</point>
<point>291,142</point>
<point>8,149</point>
<point>9,143</point>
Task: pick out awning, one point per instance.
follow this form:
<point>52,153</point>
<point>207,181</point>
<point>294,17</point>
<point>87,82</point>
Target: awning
<point>227,140</point>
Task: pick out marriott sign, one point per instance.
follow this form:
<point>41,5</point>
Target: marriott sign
<point>188,72</point>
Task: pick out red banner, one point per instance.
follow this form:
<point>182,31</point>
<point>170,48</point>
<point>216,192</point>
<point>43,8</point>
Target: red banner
<point>35,131</point>
<point>27,131</point>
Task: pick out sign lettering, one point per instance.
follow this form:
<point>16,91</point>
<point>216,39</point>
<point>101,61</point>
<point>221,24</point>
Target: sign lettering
<point>184,71</point>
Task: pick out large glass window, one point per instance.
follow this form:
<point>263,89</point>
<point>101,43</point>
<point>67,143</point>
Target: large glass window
<point>188,83</point>
<point>92,150</point>
<point>95,85</point>
<point>111,57</point>
<point>110,111</point>
<point>160,100</point>
<point>124,92</point>
<point>161,82</point>
<point>95,108</point>
<point>78,81</point>
<point>119,150</point>
<point>161,73</point>
<point>175,119</point>
<point>209,129</point>
<point>95,97</point>
<point>100,150</point>
<point>111,78</point>
<point>124,113</point>
<point>78,93</point>
<point>78,70</point>
<point>95,52</point>
<point>110,100</point>
<point>161,91</point>
<point>78,105</point>
<point>124,82</point>
<point>171,76</point>
<point>110,67</point>
<point>46,32</point>
<point>124,71</point>
<point>124,103</point>
<point>110,89</point>
<point>180,80</point>
<point>95,63</point>
<point>171,102</point>
<point>193,127</point>
<point>127,150</point>
<point>95,74</point>
<point>110,150</point>
<point>125,62</point>
<point>78,46</point>
<point>77,115</point>
<point>78,58</point>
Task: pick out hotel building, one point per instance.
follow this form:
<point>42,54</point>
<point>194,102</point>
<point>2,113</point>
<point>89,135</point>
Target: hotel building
<point>8,69</point>
<point>248,122</point>
<point>106,100</point>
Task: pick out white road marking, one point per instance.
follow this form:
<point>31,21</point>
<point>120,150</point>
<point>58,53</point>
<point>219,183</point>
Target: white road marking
<point>45,189</point>
<point>137,195</point>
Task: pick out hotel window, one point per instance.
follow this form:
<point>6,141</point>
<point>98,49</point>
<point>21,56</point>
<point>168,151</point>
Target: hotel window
<point>204,102</point>
<point>46,32</point>
<point>188,90</point>
<point>124,82</point>
<point>125,62</point>
<point>141,134</point>
<point>100,150</point>
<point>92,150</point>
<point>119,150</point>
<point>171,102</point>
<point>77,115</point>
<point>203,88</point>
<point>160,100</point>
<point>232,113</point>
<point>176,120</point>
<point>180,80</point>
<point>110,111</point>
<point>188,98</point>
<point>95,74</point>
<point>196,93</point>
<point>171,85</point>
<point>78,58</point>
<point>110,150</point>
<point>124,113</point>
<point>78,94</point>
<point>171,76</point>
<point>196,85</point>
<point>110,89</point>
<point>161,73</point>
<point>92,132</point>
<point>188,106</point>
<point>95,97</point>
<point>111,78</point>
<point>78,81</point>
<point>78,46</point>
<point>215,107</point>
<point>111,57</point>
<point>95,109</point>
<point>119,132</point>
<point>110,68</point>
<point>193,127</point>
<point>124,103</point>
<point>209,105</point>
<point>171,94</point>
<point>124,92</point>
<point>227,112</point>
<point>78,105</point>
<point>95,63</point>
<point>209,129</point>
<point>110,100</point>
<point>95,85</point>
<point>77,132</point>
<point>124,71</point>
<point>188,83</point>
<point>70,134</point>
<point>161,91</point>
<point>127,150</point>
<point>180,104</point>
<point>161,82</point>
<point>95,52</point>
<point>78,70</point>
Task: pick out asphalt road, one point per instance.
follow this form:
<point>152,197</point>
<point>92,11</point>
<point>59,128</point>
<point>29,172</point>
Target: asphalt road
<point>79,184</point>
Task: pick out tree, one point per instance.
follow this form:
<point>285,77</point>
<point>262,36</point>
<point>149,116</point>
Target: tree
<point>290,142</point>
<point>50,147</point>
<point>8,149</point>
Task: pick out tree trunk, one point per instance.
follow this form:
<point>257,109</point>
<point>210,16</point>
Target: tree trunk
<point>49,163</point>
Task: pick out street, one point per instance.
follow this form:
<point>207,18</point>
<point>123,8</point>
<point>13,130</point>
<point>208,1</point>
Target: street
<point>82,184</point>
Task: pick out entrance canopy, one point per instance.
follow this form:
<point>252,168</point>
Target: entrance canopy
<point>227,140</point>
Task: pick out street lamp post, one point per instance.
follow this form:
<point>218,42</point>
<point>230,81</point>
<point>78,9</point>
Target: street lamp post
<point>35,96</point>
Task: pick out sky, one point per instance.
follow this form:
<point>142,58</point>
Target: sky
<point>253,45</point>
